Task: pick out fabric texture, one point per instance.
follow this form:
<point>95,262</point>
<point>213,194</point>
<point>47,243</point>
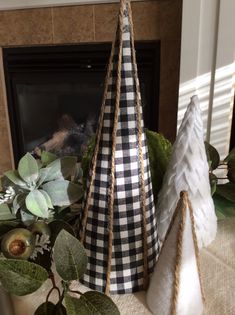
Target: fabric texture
<point>188,170</point>
<point>175,287</point>
<point>127,247</point>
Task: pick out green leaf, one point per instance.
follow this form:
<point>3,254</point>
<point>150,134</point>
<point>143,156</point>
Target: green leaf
<point>48,199</point>
<point>21,277</point>
<point>212,156</point>
<point>28,168</point>
<point>78,174</point>
<point>48,157</point>
<point>14,177</point>
<point>224,208</point>
<point>91,303</point>
<point>231,171</point>
<point>37,204</point>
<point>79,306</point>
<point>159,149</point>
<point>47,308</point>
<point>63,192</point>
<point>213,183</point>
<point>43,172</point>
<point>26,217</point>
<point>101,303</point>
<point>19,202</point>
<point>39,163</point>
<point>61,168</point>
<point>5,212</point>
<point>227,191</point>
<point>231,156</point>
<point>56,227</point>
<point>69,257</point>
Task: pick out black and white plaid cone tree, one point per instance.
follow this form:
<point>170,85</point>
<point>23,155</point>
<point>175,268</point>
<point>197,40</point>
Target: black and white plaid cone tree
<point>118,227</point>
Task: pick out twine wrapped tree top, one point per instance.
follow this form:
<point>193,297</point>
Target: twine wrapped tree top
<point>118,227</point>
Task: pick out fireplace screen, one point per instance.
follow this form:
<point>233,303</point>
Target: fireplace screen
<point>55,93</point>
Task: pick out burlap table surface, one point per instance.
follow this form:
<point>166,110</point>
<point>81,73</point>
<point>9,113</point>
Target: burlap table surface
<point>218,275</point>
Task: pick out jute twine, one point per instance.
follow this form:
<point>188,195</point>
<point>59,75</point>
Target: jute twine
<point>182,206</point>
<point>114,132</point>
<point>141,159</point>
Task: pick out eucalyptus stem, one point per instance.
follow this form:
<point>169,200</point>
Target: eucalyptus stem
<point>54,287</point>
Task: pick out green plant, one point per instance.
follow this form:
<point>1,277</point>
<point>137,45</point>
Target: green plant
<point>39,188</point>
<point>35,230</point>
<point>22,277</point>
<point>222,188</point>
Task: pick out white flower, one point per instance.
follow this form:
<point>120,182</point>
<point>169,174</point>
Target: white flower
<point>41,244</point>
<point>8,196</point>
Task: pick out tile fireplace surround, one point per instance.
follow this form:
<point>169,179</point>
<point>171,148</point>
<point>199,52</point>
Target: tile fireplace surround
<point>153,20</point>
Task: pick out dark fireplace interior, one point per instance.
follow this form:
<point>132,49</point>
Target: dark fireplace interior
<point>56,91</point>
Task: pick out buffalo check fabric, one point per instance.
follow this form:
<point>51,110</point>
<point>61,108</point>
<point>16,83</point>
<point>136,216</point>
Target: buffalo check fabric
<point>127,263</point>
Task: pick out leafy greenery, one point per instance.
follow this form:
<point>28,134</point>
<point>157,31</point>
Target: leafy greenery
<point>32,235</point>
<point>6,213</point>
<point>159,154</point>
<point>63,192</point>
<point>223,193</point>
<point>90,303</point>
<point>40,186</point>
<point>48,308</point>
<point>69,256</point>
<point>24,277</point>
<point>21,277</point>
<point>212,156</point>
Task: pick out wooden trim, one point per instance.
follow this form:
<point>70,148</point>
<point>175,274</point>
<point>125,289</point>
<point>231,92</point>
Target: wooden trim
<point>27,4</point>
<point>4,96</point>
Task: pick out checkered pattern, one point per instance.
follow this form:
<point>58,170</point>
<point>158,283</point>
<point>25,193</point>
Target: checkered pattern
<point>127,250</point>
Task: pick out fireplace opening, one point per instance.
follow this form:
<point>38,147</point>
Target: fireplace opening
<point>54,94</point>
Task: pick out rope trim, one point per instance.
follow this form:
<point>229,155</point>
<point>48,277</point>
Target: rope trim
<point>96,150</point>
<point>112,175</point>
<point>179,255</point>
<point>196,247</point>
<point>185,203</point>
<point>141,159</point>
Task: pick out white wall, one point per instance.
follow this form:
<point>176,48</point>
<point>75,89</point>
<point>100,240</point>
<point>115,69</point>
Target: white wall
<point>207,65</point>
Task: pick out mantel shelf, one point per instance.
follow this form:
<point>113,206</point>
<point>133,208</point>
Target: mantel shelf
<point>26,4</point>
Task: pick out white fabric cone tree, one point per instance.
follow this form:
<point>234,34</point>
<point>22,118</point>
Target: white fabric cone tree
<point>175,287</point>
<point>188,170</point>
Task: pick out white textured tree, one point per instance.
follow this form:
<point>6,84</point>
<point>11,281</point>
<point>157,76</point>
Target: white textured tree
<point>189,170</point>
<point>175,286</point>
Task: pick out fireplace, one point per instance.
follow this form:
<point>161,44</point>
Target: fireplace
<point>56,88</point>
<point>155,22</point>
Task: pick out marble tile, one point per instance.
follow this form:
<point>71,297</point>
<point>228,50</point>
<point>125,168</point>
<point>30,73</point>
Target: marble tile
<point>146,20</point>
<point>170,19</point>
<point>26,27</point>
<point>105,16</point>
<point>73,24</point>
<point>5,159</point>
<point>169,87</point>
